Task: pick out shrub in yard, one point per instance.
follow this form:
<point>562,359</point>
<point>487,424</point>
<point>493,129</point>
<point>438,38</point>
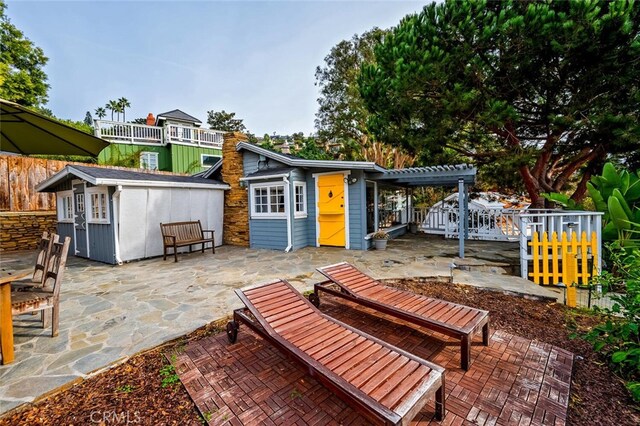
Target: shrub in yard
<point>619,337</point>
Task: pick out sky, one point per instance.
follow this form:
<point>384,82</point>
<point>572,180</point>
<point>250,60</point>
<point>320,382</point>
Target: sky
<point>256,59</point>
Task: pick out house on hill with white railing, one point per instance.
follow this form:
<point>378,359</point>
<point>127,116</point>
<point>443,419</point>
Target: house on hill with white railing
<point>173,141</point>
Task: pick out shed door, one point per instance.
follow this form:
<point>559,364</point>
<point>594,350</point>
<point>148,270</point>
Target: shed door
<point>80,219</point>
<point>331,210</point>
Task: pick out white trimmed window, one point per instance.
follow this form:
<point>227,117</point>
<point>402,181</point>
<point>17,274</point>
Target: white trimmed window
<point>300,197</point>
<point>98,205</point>
<point>64,204</point>
<point>267,200</point>
<point>80,202</point>
<point>208,160</point>
<point>149,160</point>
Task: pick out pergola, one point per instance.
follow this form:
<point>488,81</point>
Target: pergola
<point>460,175</point>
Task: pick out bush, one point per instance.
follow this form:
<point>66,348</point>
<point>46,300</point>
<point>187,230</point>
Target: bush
<point>619,337</point>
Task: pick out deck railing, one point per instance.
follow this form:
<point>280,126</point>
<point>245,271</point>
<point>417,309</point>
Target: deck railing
<point>486,224</point>
<point>118,132</point>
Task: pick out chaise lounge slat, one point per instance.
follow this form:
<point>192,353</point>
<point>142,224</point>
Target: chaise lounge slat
<point>384,383</point>
<point>452,319</point>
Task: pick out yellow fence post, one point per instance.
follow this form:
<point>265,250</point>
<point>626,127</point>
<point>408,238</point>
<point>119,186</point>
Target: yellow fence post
<point>535,251</point>
<point>555,264</point>
<point>572,267</point>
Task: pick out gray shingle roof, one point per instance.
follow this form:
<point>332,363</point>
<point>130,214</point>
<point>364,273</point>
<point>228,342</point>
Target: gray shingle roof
<point>104,173</point>
<point>176,114</point>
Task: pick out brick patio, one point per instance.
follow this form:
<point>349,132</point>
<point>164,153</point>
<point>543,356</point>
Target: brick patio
<point>513,381</point>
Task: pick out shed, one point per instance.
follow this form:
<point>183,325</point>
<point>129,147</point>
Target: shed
<point>295,202</point>
<point>113,215</point>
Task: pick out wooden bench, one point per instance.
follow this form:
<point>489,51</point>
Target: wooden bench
<point>448,318</point>
<point>381,381</point>
<point>183,234</point>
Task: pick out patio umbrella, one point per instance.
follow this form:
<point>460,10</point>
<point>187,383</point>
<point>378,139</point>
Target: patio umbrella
<point>26,132</point>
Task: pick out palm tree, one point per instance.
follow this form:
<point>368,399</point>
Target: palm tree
<point>113,107</point>
<point>124,104</point>
<point>100,113</point>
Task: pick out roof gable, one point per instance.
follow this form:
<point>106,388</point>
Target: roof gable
<point>178,115</point>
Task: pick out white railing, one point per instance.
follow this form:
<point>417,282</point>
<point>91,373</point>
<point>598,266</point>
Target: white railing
<point>115,131</point>
<point>485,224</point>
<point>118,132</point>
<point>193,136</point>
<point>559,221</point>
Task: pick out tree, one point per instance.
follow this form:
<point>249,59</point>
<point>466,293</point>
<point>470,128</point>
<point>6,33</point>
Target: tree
<point>88,119</point>
<point>342,116</point>
<point>113,107</point>
<point>553,87</point>
<point>100,112</point>
<point>22,76</point>
<point>225,121</point>
<point>124,103</point>
<point>309,149</point>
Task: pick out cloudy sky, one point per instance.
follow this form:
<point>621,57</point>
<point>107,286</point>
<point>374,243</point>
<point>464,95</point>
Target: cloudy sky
<point>257,59</point>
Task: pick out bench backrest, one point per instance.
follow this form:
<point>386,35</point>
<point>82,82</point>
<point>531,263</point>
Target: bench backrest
<point>183,231</point>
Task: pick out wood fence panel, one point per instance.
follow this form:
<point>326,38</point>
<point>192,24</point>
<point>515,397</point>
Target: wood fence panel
<point>4,184</point>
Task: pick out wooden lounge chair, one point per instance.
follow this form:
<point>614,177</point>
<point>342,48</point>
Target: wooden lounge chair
<point>384,383</point>
<point>445,317</point>
<point>48,296</point>
<point>42,258</point>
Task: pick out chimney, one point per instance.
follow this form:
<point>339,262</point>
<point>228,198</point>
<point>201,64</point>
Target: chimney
<point>151,120</point>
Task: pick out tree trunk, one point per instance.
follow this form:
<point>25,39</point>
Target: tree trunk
<point>532,186</point>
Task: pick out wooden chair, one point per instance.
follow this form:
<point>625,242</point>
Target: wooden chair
<point>381,381</point>
<point>448,318</point>
<point>48,296</point>
<point>42,257</point>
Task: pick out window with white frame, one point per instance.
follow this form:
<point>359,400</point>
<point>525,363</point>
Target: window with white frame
<point>98,205</point>
<point>300,197</point>
<point>149,160</point>
<point>64,204</point>
<point>80,202</point>
<point>208,160</point>
<point>267,201</point>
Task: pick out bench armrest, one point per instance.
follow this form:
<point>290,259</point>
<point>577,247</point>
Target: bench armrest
<point>172,239</point>
<point>208,230</point>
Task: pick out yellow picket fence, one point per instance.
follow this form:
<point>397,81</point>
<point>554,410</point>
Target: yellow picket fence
<point>568,261</point>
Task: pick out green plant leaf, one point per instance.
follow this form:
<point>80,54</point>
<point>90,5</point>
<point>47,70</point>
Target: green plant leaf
<point>597,198</point>
<point>619,356</point>
<point>610,174</point>
<point>618,214</point>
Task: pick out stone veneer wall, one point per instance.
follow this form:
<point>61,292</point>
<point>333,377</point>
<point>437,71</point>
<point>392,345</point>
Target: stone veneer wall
<point>235,229</point>
<point>22,230</point>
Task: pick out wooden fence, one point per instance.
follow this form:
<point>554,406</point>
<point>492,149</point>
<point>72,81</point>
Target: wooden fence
<point>18,179</point>
<point>567,261</point>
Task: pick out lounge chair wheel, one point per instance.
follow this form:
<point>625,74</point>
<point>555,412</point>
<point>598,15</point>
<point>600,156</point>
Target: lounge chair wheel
<point>314,299</point>
<point>232,331</point>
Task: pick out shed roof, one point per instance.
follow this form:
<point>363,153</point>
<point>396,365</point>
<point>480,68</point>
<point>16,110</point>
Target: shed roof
<point>114,177</point>
<point>176,114</point>
<point>448,175</point>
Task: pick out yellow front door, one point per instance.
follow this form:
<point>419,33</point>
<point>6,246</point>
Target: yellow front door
<point>331,210</point>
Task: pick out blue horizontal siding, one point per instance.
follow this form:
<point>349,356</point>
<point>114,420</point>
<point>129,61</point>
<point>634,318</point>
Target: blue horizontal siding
<point>66,230</point>
<point>250,163</point>
<point>357,213</point>
<point>268,233</point>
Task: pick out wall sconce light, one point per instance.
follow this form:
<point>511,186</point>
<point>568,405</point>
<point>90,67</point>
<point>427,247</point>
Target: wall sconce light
<point>349,180</point>
<point>243,184</point>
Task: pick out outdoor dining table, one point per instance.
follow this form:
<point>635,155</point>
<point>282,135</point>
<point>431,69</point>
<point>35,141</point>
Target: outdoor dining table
<point>6,321</point>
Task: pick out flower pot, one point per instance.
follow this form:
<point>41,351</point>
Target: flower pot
<point>380,244</point>
<point>413,228</point>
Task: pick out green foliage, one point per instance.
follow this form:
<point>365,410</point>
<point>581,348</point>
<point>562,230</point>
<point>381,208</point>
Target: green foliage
<point>547,88</point>
<point>22,76</point>
<point>311,150</point>
<point>125,389</point>
<point>617,194</point>
<point>225,121</point>
<point>116,158</point>
<point>619,337</point>
<point>169,376</point>
<point>100,112</point>
<point>342,116</point>
<point>564,200</point>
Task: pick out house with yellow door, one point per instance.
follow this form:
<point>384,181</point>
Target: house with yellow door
<point>295,202</point>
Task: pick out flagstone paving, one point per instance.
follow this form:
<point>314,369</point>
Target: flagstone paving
<point>109,313</point>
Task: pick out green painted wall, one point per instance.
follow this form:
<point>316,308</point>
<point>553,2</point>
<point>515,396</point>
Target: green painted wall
<point>186,159</point>
<point>126,155</point>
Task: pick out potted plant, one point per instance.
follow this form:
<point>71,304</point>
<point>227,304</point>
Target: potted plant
<point>380,240</point>
<point>413,227</point>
